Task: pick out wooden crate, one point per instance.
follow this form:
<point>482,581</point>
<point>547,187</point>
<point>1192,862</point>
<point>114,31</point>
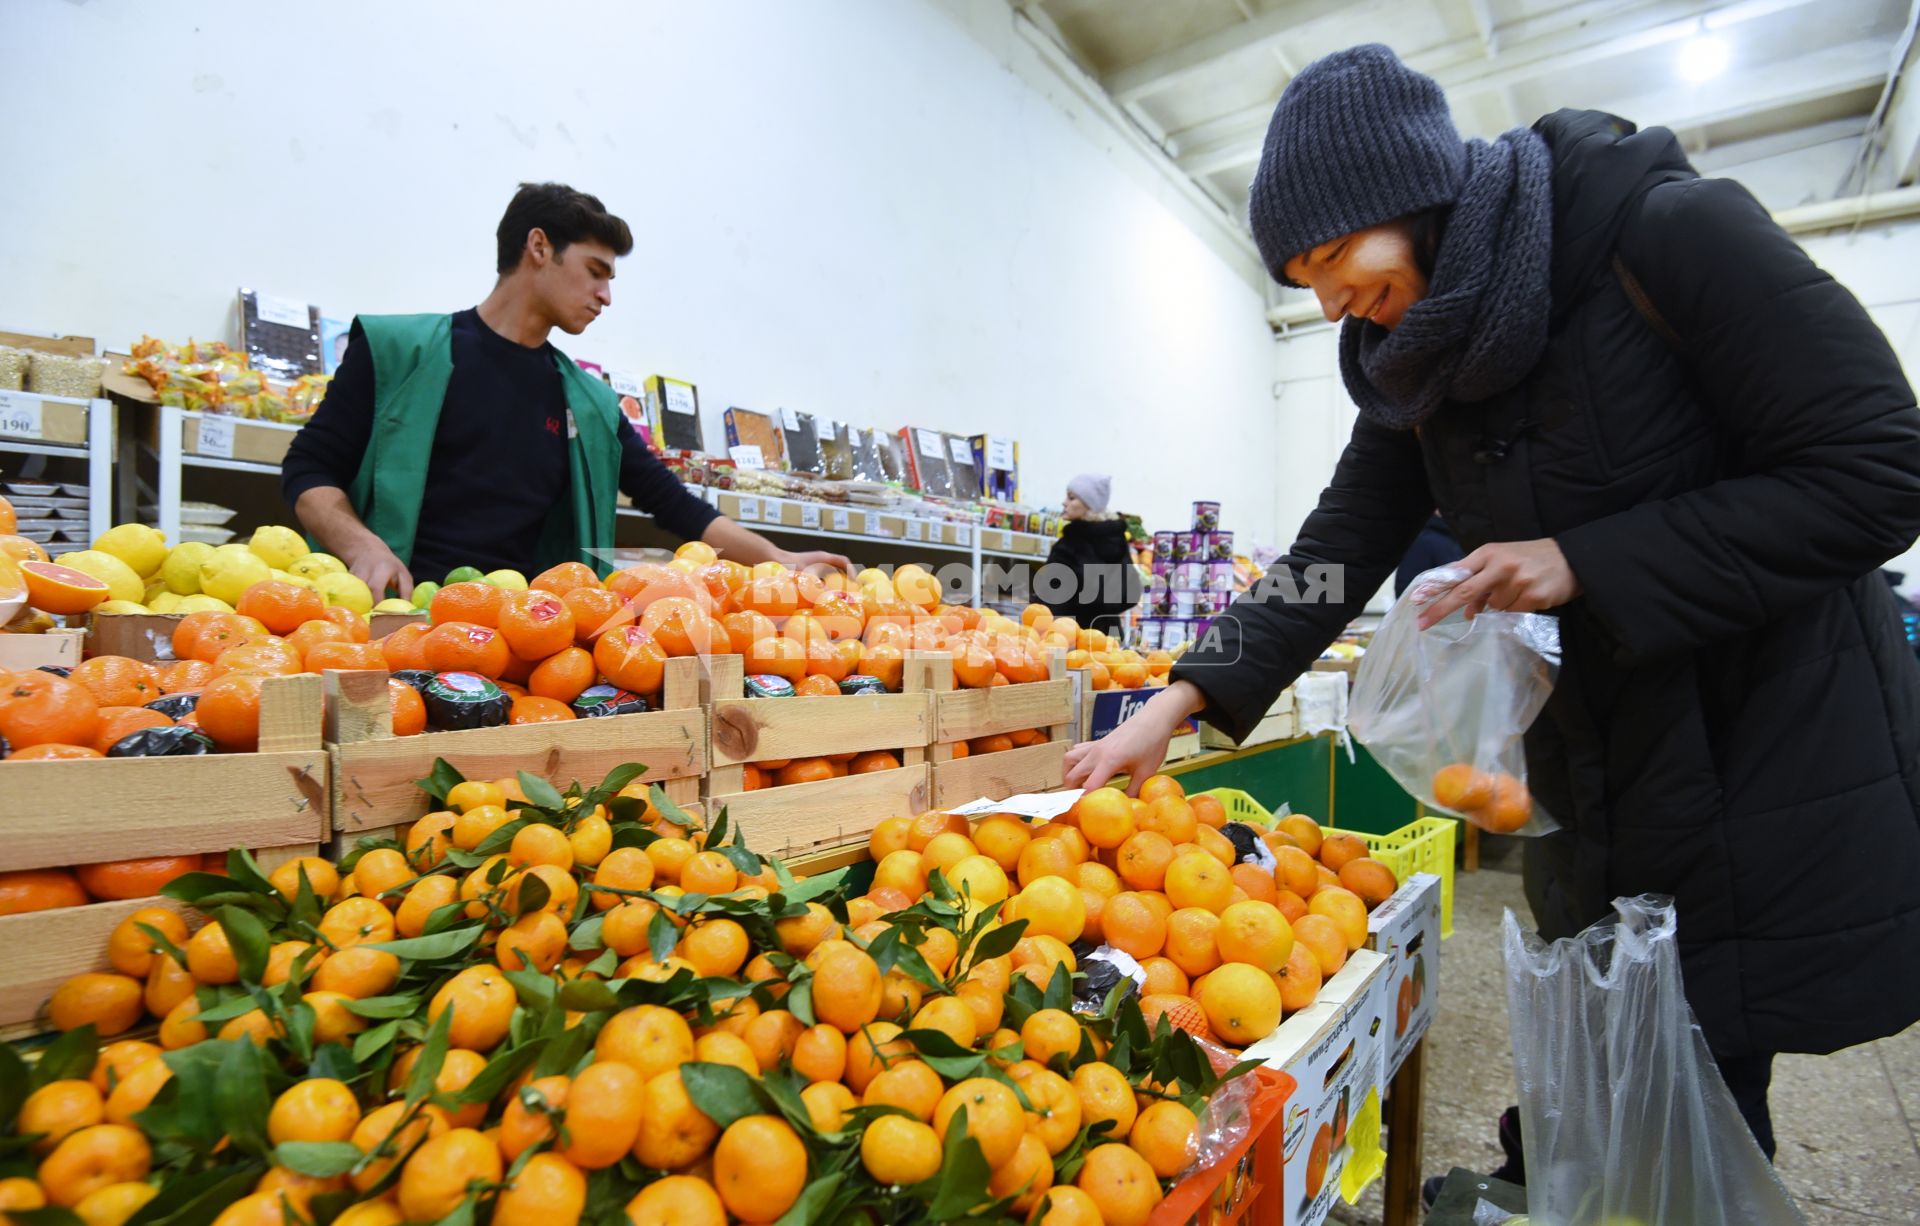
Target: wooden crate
<point>149,636</point>
<point>1278,724</point>
<point>54,649</point>
<point>50,947</point>
<point>375,773</point>
<point>62,813</point>
<point>963,715</point>
<point>802,817</point>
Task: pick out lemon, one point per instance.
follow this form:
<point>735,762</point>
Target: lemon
<point>423,594</point>
<point>121,606</point>
<point>122,583</point>
<point>278,546</point>
<point>345,590</point>
<point>143,549</point>
<point>200,602</point>
<point>287,576</point>
<point>226,576</point>
<point>313,565</point>
<point>394,604</point>
<point>165,602</point>
<point>511,580</point>
<point>181,571</point>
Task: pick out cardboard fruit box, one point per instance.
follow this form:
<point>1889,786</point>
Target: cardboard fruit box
<point>376,774</point>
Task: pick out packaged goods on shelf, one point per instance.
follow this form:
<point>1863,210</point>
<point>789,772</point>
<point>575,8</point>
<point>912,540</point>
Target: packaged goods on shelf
<point>927,461</point>
<point>13,368</point>
<point>673,406</point>
<point>869,447</point>
<point>802,444</point>
<point>998,460</point>
<point>746,428</point>
<point>836,449</point>
<point>1206,516</point>
<point>964,474</point>
<point>59,374</point>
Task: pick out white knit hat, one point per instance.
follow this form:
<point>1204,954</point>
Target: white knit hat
<point>1092,489</point>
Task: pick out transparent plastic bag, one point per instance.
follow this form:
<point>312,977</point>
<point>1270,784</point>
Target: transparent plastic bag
<point>1443,710</point>
<point>1624,1113</point>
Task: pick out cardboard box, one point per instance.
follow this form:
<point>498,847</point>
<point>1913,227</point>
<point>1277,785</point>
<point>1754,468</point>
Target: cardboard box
<point>1405,930</point>
<point>1333,1049</point>
<point>54,649</point>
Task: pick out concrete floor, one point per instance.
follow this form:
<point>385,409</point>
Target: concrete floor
<point>1847,1125</point>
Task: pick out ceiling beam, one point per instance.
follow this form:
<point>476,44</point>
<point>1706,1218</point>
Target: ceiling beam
<point>1710,159</point>
<point>1895,159</point>
<point>1168,68</point>
<point>1485,26</point>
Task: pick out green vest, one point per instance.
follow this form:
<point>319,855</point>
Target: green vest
<point>412,365</point>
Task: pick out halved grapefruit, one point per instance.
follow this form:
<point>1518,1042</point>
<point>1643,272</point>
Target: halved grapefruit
<point>54,588</point>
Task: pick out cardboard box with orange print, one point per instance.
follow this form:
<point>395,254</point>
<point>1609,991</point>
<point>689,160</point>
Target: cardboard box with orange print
<point>1335,1050</point>
<point>1405,930</point>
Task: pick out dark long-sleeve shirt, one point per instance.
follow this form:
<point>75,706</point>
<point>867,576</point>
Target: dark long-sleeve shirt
<point>499,462</point>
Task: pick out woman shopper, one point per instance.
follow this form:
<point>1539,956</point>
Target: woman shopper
<point>1640,406</point>
<point>1090,575</point>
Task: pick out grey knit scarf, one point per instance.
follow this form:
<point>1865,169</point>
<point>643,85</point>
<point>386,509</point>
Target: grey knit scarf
<point>1483,324</point>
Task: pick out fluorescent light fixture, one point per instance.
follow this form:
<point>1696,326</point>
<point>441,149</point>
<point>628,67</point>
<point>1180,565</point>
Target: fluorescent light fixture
<point>1703,58</point>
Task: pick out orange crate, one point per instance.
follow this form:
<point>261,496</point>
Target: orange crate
<point>1244,1186</point>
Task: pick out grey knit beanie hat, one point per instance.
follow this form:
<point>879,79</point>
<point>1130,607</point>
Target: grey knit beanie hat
<point>1357,139</point>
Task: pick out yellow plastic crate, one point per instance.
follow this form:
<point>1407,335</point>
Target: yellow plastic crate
<point>1422,846</point>
<point>1241,807</point>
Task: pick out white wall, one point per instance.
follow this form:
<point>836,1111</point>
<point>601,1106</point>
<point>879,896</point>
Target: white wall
<point>851,208</point>
<point>1316,416</point>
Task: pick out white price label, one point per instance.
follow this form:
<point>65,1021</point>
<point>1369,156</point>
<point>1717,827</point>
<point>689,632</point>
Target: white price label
<point>283,311</point>
<point>1000,454</point>
<point>809,515</point>
<point>826,427</point>
<point>679,397</point>
<point>19,416</point>
<point>625,384</point>
<point>841,519</point>
<point>216,436</point>
<point>750,509</point>
<point>916,531</point>
<point>747,455</point>
<point>960,450</point>
<point>965,534</point>
<point>929,444</point>
<point>790,419</point>
<point>1040,806</point>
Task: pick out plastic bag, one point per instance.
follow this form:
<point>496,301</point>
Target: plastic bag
<point>1444,709</point>
<point>1623,1110</point>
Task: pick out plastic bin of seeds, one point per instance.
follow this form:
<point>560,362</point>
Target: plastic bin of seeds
<point>59,374</point>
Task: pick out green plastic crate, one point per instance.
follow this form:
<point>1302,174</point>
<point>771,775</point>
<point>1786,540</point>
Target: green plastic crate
<point>1422,846</point>
<point>1241,807</point>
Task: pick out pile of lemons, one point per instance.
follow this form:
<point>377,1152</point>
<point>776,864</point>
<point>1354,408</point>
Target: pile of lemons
<point>145,576</point>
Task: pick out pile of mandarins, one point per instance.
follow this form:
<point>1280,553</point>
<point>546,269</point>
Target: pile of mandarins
<point>545,1008</point>
<point>1227,948</point>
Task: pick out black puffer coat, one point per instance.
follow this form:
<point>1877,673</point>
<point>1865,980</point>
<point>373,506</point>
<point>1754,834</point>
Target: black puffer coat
<point>1104,581</point>
<point>1737,719</point>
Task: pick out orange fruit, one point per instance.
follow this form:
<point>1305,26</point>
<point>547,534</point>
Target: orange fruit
<point>846,990</point>
<point>674,1134</point>
<point>281,607</point>
<point>532,710</point>
<point>110,1003</point>
<point>337,657</point>
<point>1105,1095</point>
<point>58,1109</point>
<point>1161,1134</point>
<point>1105,817</point>
<point>183,675</point>
<point>1048,1033</point>
<point>130,950</point>
<point>680,625</point>
<point>870,1050</point>
<point>1344,908</point>
<point>91,1159</point>
<point>907,1084</point>
<point>778,656</point>
<point>1242,1003</point>
<point>1052,906</point>
<point>1256,882</point>
<point>717,947</point>
<point>1195,879</point>
<point>1144,859</point>
<point>1373,881</point>
<point>1191,935</point>
<point>603,1108</point>
<point>356,921</point>
<point>1321,938</point>
<point>482,1002</point>
<point>115,681</point>
<point>117,723</point>
<point>1295,871</point>
<point>317,1109</point>
<point>406,710</point>
<point>357,972</point>
<point>1254,933</point>
<point>646,1038</point>
<point>1303,830</point>
<point>1460,787</point>
<point>39,708</point>
<point>119,879</point>
<point>994,1117</point>
<point>596,611</point>
<point>57,589</point>
<point>53,751</point>
<point>356,626</point>
<point>434,1180</point>
<point>537,624</point>
<point>873,760</point>
<point>548,1189</point>
<point>564,578</point>
<point>315,631</point>
<point>229,712</point>
<point>899,1152</point>
<point>629,658</point>
<point>1337,848</point>
<point>677,1200</point>
<point>1299,980</point>
<point>1509,809</point>
<point>1164,978</point>
<point>475,603</point>
<point>562,675</point>
<point>404,648</point>
<point>1131,923</point>
<point>467,647</point>
<point>759,1167</point>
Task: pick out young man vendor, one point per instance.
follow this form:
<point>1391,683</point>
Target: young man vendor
<point>468,440</point>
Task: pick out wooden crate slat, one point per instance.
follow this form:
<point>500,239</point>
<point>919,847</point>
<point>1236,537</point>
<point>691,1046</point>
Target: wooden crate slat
<point>802,816</point>
<point>965,714</point>
<point>46,948</point>
<point>754,729</point>
<point>1010,772</point>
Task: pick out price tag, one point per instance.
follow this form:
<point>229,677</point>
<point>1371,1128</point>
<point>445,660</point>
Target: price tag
<point>283,311</point>
<point>841,519</point>
<point>679,397</point>
<point>1040,806</point>
<point>790,419</point>
<point>625,384</point>
<point>19,416</point>
<point>964,533</point>
<point>750,510</point>
<point>960,450</point>
<point>826,427</point>
<point>809,515</point>
<point>929,444</point>
<point>747,455</point>
<point>1000,454</point>
<point>916,530</point>
<point>216,436</point>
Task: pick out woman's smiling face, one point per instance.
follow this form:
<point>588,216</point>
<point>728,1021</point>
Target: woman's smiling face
<point>1369,274</point>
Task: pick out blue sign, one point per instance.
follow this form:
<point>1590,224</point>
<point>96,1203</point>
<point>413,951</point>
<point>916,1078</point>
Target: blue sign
<point>1112,707</point>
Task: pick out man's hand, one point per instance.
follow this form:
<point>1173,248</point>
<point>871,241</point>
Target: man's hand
<point>1509,577</point>
<point>1138,746</point>
<point>379,568</point>
<point>811,558</point>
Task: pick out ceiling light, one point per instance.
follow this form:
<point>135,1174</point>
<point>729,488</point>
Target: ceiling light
<point>1702,58</point>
